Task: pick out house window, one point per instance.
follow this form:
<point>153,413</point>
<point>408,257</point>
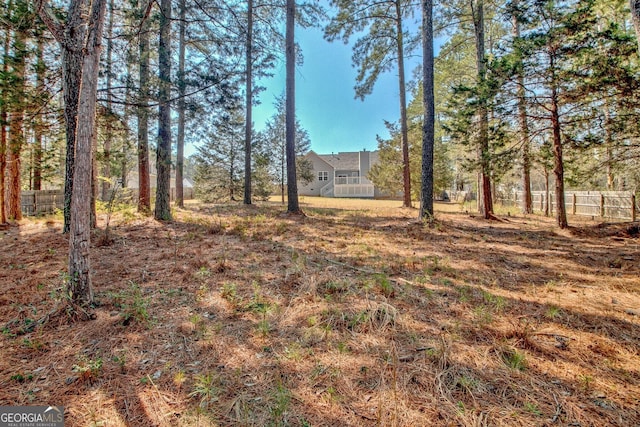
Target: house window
<point>323,176</point>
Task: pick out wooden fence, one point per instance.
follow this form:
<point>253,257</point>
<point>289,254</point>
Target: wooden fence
<point>47,201</point>
<point>42,201</point>
<point>602,204</point>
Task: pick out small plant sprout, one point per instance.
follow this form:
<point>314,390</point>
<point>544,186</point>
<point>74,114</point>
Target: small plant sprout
<point>532,408</point>
<point>553,312</point>
<point>205,389</point>
<point>88,369</point>
<point>514,359</point>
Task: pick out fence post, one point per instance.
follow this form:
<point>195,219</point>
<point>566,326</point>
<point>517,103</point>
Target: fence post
<point>601,205</point>
<point>633,207</point>
<point>573,204</point>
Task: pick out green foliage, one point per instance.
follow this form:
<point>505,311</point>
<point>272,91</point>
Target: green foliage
<point>375,51</point>
<point>206,389</point>
<point>532,408</point>
<point>21,377</point>
<point>220,160</point>
<point>133,305</point>
<point>514,359</point>
<point>279,404</point>
<point>387,173</point>
<point>88,369</point>
<point>270,146</point>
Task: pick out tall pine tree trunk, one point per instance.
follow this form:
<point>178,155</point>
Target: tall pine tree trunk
<point>79,286</point>
<point>126,111</point>
<point>37,123</point>
<point>144,187</point>
<point>428,125</point>
<point>290,124</point>
<point>3,128</point>
<point>558,162</point>
<point>527,200</point>
<point>249,104</point>
<point>609,146</point>
<point>71,37</point>
<point>93,217</point>
<point>163,158</point>
<point>182,92</point>
<point>404,132</point>
<point>72,44</point>
<point>16,124</point>
<point>484,188</point>
<point>3,165</point>
<point>106,154</point>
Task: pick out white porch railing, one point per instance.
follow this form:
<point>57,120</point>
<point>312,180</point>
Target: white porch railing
<point>342,180</point>
<point>353,190</point>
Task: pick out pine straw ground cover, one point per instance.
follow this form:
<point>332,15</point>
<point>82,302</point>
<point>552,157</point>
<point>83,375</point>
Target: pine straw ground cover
<point>237,316</point>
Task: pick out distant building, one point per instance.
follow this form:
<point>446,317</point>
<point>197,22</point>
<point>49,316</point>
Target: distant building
<point>341,175</point>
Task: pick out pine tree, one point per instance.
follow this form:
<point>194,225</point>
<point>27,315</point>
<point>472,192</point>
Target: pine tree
<point>21,21</point>
<point>428,104</point>
<point>163,155</point>
<point>377,52</point>
<point>293,205</point>
<point>142,112</point>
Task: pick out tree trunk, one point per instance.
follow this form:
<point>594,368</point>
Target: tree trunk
<point>527,201</point>
<point>3,164</point>
<point>486,204</point>
<point>634,5</point>
<point>547,192</point>
<point>428,133</point>
<point>144,187</point>
<point>3,130</point>
<point>282,172</point>
<point>93,217</point>
<point>182,92</point>
<point>609,146</point>
<point>71,38</point>
<point>249,105</point>
<point>106,165</point>
<point>16,126</point>
<point>232,171</point>
<point>37,123</point>
<point>79,286</point>
<point>72,45</point>
<point>290,125</point>
<point>163,159</point>
<point>406,171</point>
<point>558,165</point>
<point>126,111</point>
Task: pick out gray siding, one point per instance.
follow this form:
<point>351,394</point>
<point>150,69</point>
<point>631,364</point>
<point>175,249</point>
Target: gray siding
<point>314,187</point>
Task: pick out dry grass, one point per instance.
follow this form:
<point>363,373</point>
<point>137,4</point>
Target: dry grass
<point>354,315</point>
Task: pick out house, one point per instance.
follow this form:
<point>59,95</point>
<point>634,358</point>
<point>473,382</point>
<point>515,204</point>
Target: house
<point>340,175</point>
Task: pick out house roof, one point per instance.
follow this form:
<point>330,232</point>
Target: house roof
<point>342,161</point>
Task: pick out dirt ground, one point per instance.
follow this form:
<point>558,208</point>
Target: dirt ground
<point>353,315</point>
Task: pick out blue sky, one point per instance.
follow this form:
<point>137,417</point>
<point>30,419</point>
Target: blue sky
<point>325,102</point>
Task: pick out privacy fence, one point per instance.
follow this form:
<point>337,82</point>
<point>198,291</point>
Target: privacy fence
<point>47,201</point>
<point>597,204</point>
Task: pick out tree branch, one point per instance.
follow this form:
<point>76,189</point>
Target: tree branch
<point>50,20</point>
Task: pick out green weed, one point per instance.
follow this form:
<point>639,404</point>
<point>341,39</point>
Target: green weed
<point>514,359</point>
<point>205,389</point>
<point>88,369</point>
<point>532,408</point>
<point>133,304</point>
